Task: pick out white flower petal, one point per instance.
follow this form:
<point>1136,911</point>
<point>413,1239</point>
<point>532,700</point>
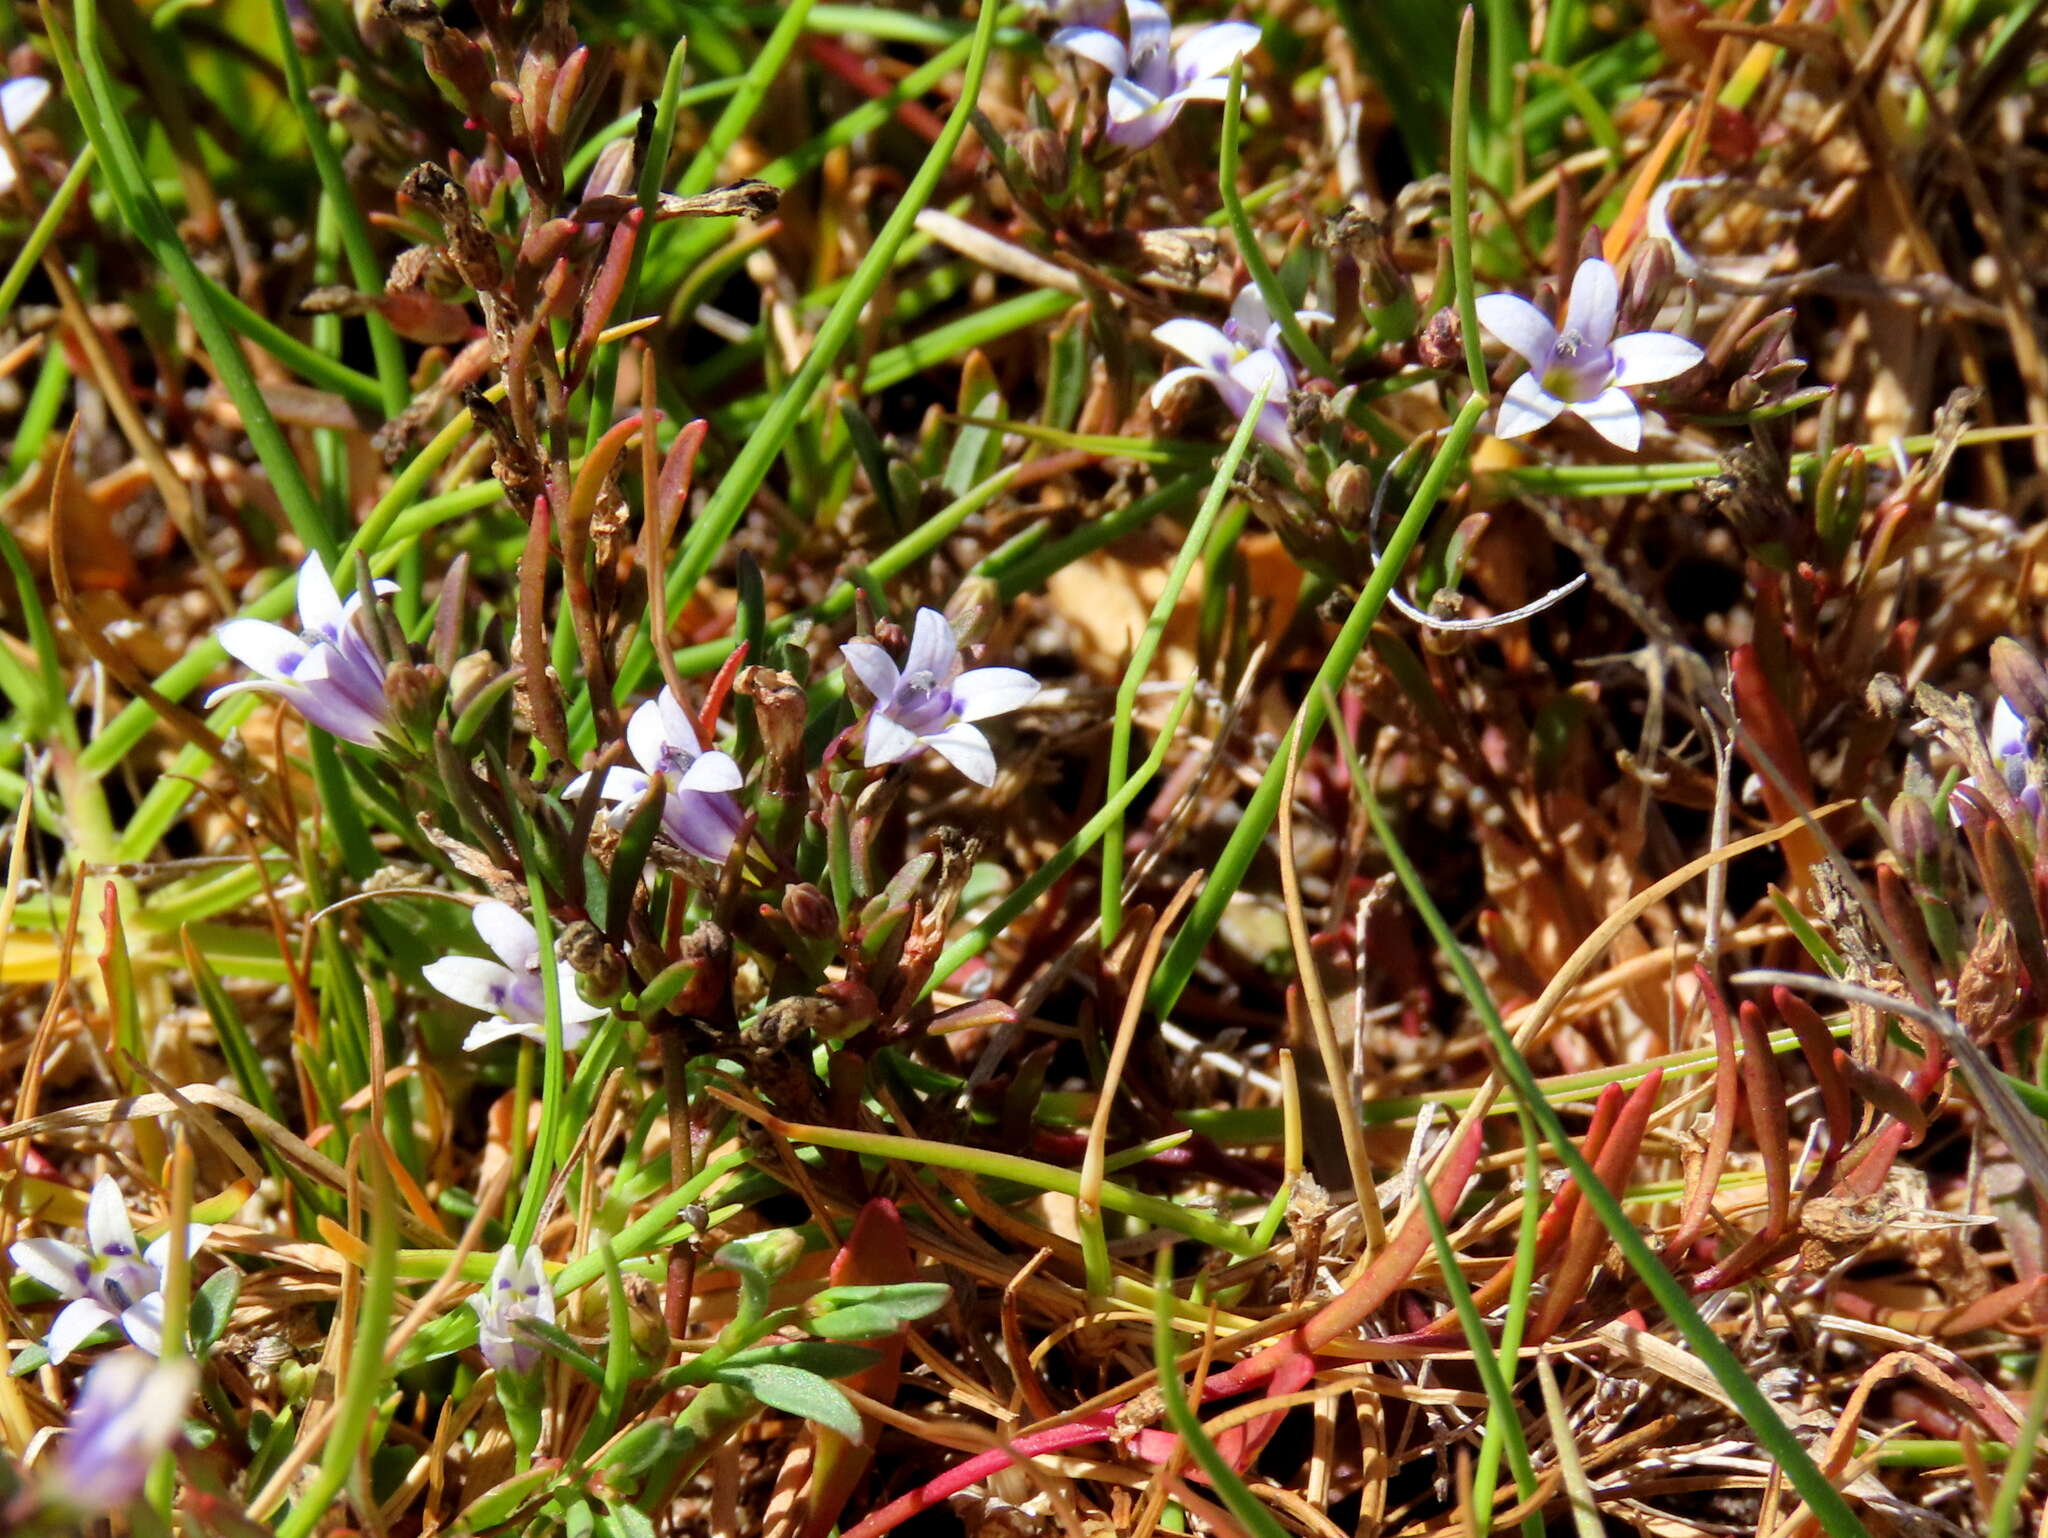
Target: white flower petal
<point>1526,407</point>
<point>646,736</point>
<point>1513,320</point>
<point>676,724</point>
<point>1094,45</point>
<point>933,647</point>
<point>469,980</point>
<point>21,99</point>
<point>984,692</point>
<point>319,605</point>
<point>967,750</point>
<point>576,1010</point>
<point>1211,50</point>
<point>107,1228</point>
<point>74,1322</point>
<point>619,785</point>
<point>159,1252</point>
<point>2008,738</point>
<point>1172,379</point>
<point>488,1032</point>
<point>143,1321</point>
<point>1248,313</point>
<point>1200,343</point>
<point>269,649</point>
<point>887,742</point>
<point>509,934</point>
<point>711,773</point>
<point>1138,116</point>
<point>63,1268</point>
<point>1151,43</point>
<point>1649,357</point>
<point>873,666</point>
<point>1596,296</point>
<point>1614,417</point>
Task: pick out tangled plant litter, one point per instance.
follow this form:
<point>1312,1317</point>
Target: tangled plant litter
<point>1375,1013</point>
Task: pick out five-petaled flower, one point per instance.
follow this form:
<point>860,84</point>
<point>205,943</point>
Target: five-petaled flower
<point>129,1411</point>
<point>1151,79</point>
<point>700,814</point>
<point>518,1289</point>
<point>114,1280</point>
<point>512,993</point>
<point>329,671</point>
<point>931,703</point>
<point>21,98</point>
<point>1236,360</point>
<point>1581,367</point>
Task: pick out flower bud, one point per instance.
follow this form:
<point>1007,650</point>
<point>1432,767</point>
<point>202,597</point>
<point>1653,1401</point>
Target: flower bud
<point>2021,680</point>
<point>809,911</point>
<point>1916,838</point>
<point>1350,492</point>
<point>1042,152</point>
<point>1441,344</point>
<point>973,610</point>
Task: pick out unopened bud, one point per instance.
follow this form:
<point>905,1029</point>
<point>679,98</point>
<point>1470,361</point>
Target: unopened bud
<point>2021,680</point>
<point>809,911</point>
<point>1350,492</point>
<point>1916,838</point>
<point>1441,344</point>
<point>1043,155</point>
<point>973,609</point>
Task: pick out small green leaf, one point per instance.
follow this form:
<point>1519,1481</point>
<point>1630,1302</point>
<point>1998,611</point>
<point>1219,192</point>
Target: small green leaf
<point>796,1392</point>
<point>863,1313</point>
<point>211,1306</point>
<point>561,1345</point>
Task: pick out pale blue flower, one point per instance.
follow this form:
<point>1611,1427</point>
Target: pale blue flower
<point>327,670</point>
<point>1581,367</point>
<point>1236,360</point>
<point>1152,78</point>
<point>930,703</point>
<point>114,1280</point>
<point>129,1411</point>
<point>509,989</point>
<point>518,1289</point>
<point>701,814</point>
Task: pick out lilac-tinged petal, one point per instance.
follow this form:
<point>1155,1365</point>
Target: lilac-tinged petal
<point>1526,407</point>
<point>21,99</point>
<point>1249,316</point>
<point>967,750</point>
<point>1263,369</point>
<point>508,932</point>
<point>470,980</point>
<point>128,1413</point>
<point>873,666</point>
<point>576,1010</point>
<point>1596,297</point>
<point>1211,51</point>
<point>74,1323</point>
<point>489,1032</point>
<point>63,1268</point>
<point>276,691</point>
<point>1272,429</point>
<point>1520,325</point>
<point>933,647</point>
<point>319,604</point>
<point>107,1228</point>
<point>1138,117</point>
<point>1151,45</point>
<point>1614,417</point>
<point>984,692</point>
<point>712,772</point>
<point>676,724</point>
<point>2008,737</point>
<point>1196,340</point>
<point>1215,88</point>
<point>618,785</point>
<point>1650,357</point>
<point>646,737</point>
<point>272,650</point>
<point>887,741</point>
<point>1094,45</point>
<point>702,823</point>
<point>143,1322</point>
<point>159,1252</point>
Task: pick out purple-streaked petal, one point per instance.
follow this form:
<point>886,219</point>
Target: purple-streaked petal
<point>107,1228</point>
<point>63,1268</point>
<point>1196,340</point>
<point>1526,407</point>
<point>1650,357</point>
<point>712,772</point>
<point>1210,51</point>
<point>676,724</point>
<point>509,934</point>
<point>1151,45</point>
<point>21,99</point>
<point>702,823</point>
<point>338,716</point>
<point>73,1324</point>
<point>887,741</point>
<point>143,1322</point>
<point>1520,325</point>
<point>873,666</point>
<point>933,647</point>
<point>272,650</point>
<point>159,1252</point>
<point>1596,296</point>
<point>1137,117</point>
<point>1272,429</point>
<point>1094,45</point>
<point>319,605</point>
<point>967,750</point>
<point>1614,417</point>
<point>1172,379</point>
<point>984,692</point>
<point>470,980</point>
